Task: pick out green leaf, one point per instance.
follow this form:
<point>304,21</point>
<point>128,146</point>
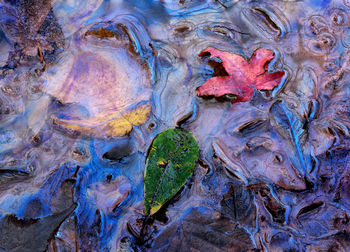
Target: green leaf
<point>170,162</point>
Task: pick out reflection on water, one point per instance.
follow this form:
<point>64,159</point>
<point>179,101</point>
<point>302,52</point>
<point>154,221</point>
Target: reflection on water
<point>87,85</point>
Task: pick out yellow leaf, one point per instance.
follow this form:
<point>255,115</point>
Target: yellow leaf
<point>118,125</point>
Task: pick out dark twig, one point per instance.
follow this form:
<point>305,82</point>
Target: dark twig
<point>221,4</point>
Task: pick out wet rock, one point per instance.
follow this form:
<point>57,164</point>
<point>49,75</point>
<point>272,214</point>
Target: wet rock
<point>30,234</point>
<point>203,229</point>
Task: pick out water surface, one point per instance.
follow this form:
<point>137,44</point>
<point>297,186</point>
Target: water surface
<point>87,85</point>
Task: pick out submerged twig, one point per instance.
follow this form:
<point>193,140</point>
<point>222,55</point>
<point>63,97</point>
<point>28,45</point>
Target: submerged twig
<point>221,4</point>
<point>40,53</point>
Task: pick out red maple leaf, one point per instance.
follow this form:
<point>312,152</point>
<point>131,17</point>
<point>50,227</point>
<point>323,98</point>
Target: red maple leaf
<point>244,75</point>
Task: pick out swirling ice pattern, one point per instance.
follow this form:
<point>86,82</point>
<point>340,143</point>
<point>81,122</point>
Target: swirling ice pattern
<point>87,85</point>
